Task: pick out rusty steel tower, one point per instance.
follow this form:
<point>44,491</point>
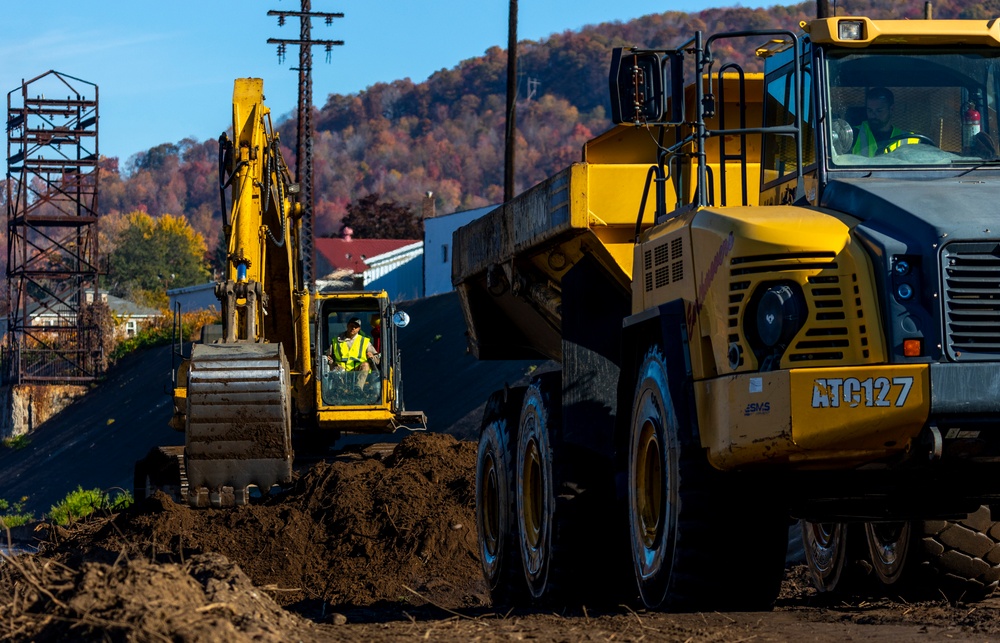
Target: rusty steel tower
<point>52,247</point>
<point>304,137</point>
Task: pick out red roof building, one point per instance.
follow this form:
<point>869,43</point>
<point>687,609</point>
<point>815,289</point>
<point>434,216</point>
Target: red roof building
<point>393,265</point>
<point>352,254</point>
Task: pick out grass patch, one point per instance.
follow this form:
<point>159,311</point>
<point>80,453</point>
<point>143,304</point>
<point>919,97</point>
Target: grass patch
<point>17,442</point>
<point>83,502</point>
<point>12,514</point>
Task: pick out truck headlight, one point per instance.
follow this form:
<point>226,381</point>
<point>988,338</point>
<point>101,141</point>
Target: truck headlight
<point>850,30</point>
<point>905,273</point>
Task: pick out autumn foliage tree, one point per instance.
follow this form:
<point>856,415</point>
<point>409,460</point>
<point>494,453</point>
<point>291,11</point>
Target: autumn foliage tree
<point>154,254</point>
<point>372,218</point>
<point>445,135</point>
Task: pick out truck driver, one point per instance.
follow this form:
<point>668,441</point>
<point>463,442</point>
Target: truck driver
<point>877,134</point>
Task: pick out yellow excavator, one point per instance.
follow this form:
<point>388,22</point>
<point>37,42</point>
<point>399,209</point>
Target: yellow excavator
<point>272,370</point>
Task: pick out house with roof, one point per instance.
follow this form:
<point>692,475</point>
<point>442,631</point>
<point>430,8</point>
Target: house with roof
<point>129,316</point>
<point>393,265</point>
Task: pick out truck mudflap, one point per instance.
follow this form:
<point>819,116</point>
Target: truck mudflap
<point>813,417</point>
<point>238,430</point>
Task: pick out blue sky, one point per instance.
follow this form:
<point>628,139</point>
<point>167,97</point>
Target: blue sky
<point>165,70</point>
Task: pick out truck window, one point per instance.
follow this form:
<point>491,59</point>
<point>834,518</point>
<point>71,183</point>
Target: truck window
<point>936,108</point>
<point>779,159</point>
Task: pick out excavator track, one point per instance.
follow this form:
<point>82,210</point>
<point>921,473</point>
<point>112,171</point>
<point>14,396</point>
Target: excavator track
<point>162,470</point>
<point>238,422</point>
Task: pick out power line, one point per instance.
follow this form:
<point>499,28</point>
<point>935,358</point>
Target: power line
<point>304,134</point>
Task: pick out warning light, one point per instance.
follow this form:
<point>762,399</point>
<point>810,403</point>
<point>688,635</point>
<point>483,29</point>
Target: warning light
<point>912,347</point>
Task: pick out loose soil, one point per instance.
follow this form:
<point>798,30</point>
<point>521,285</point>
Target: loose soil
<point>372,546</point>
<point>365,547</point>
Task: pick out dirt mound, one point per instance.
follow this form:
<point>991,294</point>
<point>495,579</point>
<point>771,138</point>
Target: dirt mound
<point>350,533</point>
<point>205,599</point>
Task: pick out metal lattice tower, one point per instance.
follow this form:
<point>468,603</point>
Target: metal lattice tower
<point>52,247</point>
<point>304,138</point>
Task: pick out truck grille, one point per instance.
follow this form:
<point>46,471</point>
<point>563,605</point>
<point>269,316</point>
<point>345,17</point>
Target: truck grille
<point>837,327</point>
<point>970,275</point>
<point>664,264</point>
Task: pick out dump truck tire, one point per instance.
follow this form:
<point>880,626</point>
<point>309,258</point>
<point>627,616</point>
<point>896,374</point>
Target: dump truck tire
<point>495,517</point>
<point>959,559</point>
<point>682,513</point>
<point>541,530</point>
<point>825,548</point>
<point>964,555</point>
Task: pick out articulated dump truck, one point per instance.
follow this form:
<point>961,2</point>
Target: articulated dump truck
<point>772,297</point>
<point>279,371</point>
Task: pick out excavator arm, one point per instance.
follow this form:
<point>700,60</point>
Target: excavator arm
<point>238,396</point>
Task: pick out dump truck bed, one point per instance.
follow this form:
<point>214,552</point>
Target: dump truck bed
<point>508,265</point>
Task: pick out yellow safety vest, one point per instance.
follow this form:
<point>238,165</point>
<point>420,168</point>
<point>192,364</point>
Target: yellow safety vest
<point>866,145</point>
<point>353,356</point>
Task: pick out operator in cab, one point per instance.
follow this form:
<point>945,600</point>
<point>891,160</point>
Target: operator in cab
<point>351,350</point>
<point>877,135</point>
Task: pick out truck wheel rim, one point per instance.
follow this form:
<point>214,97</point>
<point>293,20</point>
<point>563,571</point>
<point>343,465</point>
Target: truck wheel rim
<point>824,544</point>
<point>887,543</point>
<point>649,485</point>
<point>532,499</point>
<point>490,504</point>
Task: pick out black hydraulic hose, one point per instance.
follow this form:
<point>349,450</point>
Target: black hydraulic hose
<point>225,151</point>
<point>272,166</point>
<point>265,187</point>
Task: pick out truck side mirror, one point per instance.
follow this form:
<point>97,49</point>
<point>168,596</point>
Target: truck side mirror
<point>400,319</point>
<point>636,84</point>
<point>639,91</point>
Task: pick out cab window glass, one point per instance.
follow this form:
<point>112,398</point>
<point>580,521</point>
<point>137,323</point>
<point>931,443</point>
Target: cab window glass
<point>779,159</point>
<point>935,107</point>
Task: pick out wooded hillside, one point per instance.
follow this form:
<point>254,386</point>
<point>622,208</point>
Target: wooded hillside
<point>445,134</point>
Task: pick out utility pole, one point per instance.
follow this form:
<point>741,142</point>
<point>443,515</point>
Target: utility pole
<point>510,139</point>
<point>304,135</point>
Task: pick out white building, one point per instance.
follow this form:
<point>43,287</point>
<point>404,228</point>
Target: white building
<point>438,248</point>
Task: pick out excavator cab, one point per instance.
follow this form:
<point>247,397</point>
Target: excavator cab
<point>359,381</point>
<point>366,398</point>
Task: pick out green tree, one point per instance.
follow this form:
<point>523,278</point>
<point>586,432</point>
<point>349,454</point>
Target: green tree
<point>372,218</point>
<point>152,255</point>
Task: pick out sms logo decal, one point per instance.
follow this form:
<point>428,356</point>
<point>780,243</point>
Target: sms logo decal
<point>757,408</point>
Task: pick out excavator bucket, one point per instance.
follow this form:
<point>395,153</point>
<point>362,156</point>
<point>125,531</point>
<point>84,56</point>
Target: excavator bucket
<point>238,422</point>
